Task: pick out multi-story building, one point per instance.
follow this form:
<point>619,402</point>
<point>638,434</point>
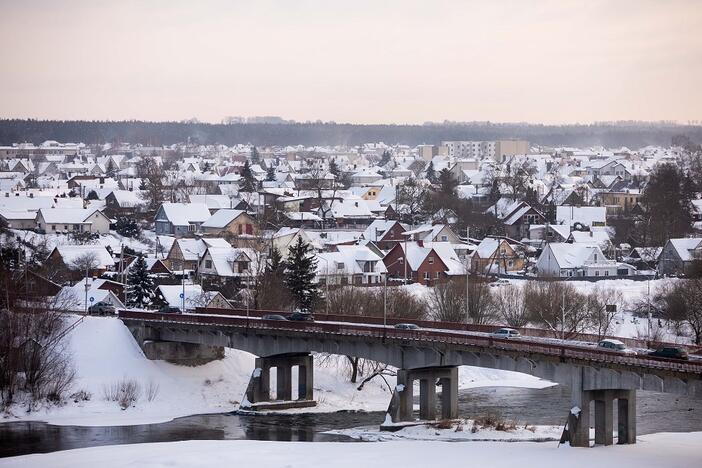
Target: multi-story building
<point>498,150</point>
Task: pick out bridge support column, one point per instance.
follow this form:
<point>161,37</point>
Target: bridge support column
<point>258,393</point>
<point>603,400</point>
<point>401,405</point>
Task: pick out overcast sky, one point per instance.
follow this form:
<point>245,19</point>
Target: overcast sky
<point>352,61</point>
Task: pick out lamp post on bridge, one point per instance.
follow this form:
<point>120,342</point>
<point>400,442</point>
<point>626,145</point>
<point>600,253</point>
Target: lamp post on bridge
<point>385,292</point>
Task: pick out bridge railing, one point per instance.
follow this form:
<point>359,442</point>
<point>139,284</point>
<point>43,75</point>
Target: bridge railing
<point>560,350</point>
<point>431,324</point>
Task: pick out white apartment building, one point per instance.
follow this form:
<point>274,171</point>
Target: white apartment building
<point>498,150</point>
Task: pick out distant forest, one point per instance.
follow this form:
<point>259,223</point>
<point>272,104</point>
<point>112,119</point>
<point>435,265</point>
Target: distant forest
<point>633,135</point>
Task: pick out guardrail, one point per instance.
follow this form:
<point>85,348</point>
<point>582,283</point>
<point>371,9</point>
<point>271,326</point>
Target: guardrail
<point>431,324</point>
<point>427,336</point>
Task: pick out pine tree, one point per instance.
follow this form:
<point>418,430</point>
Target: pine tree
<point>333,168</point>
<point>110,170</point>
<point>270,174</point>
<point>431,173</point>
<point>255,155</point>
<point>300,271</point>
<point>385,158</point>
<point>140,286</point>
<point>447,182</point>
<point>249,184</point>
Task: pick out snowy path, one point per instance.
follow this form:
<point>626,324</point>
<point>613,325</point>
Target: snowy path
<point>656,450</point>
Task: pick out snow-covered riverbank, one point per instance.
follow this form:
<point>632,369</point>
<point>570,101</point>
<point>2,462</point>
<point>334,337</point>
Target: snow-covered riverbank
<point>104,352</point>
<point>651,451</point>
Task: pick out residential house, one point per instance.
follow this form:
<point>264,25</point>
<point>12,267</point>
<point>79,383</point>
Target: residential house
<point>185,254</point>
<point>180,219</point>
<point>350,264</point>
<point>433,233</point>
<point>54,220</point>
<point>681,256</point>
<point>496,255</point>
<point>424,264</point>
<point>18,219</point>
<point>229,222</point>
<point>562,260</point>
<point>577,217</point>
<point>67,258</point>
<point>385,234</point>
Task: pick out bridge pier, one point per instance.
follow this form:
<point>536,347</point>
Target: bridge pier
<point>579,421</point>
<point>258,392</point>
<point>401,404</point>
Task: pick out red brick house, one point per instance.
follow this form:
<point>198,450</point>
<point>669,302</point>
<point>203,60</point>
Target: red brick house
<point>385,234</point>
<point>426,264</point>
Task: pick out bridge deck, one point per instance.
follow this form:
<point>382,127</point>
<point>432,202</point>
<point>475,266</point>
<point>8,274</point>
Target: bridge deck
<point>426,337</point>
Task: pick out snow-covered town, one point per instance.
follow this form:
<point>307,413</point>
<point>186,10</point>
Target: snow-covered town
<point>488,252</point>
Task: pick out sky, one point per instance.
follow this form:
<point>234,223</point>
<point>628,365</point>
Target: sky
<point>359,61</point>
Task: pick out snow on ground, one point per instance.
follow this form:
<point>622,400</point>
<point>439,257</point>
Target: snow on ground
<point>460,431</point>
<point>651,451</point>
<point>104,352</point>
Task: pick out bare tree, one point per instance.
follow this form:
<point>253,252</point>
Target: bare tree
<point>602,306</point>
<point>558,306</point>
<point>511,305</point>
<point>152,187</point>
<point>683,305</point>
<point>448,301</point>
<point>480,304</point>
<point>86,262</point>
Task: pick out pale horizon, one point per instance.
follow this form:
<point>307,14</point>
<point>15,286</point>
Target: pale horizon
<point>552,62</point>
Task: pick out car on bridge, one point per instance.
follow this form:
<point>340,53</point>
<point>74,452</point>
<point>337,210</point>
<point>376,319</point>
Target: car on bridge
<point>299,316</point>
<point>169,310</point>
<point>102,308</point>
<point>670,352</point>
<point>273,317</point>
<point>406,326</point>
<point>505,333</point>
<point>614,345</point>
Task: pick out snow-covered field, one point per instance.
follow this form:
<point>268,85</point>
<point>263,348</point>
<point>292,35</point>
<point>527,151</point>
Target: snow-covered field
<point>650,451</point>
<point>104,352</point>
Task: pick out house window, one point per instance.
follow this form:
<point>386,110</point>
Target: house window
<point>597,273</point>
<point>208,263</point>
<point>426,275</point>
<point>76,227</point>
<point>431,260</point>
<point>243,266</point>
<point>53,227</point>
<point>595,257</point>
<point>240,228</point>
<point>444,238</point>
<point>65,228</point>
<point>436,275</point>
<point>401,260</point>
<point>510,263</point>
<point>340,266</point>
<point>606,273</point>
<point>191,228</point>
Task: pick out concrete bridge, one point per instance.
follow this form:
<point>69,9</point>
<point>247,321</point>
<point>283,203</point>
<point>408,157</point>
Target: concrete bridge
<point>596,377</point>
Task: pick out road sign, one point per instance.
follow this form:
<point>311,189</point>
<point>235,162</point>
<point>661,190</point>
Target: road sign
<point>181,295</point>
<point>92,299</point>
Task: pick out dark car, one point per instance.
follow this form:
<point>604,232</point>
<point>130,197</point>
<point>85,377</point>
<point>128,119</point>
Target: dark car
<point>273,317</point>
<point>301,317</point>
<point>407,326</point>
<point>169,310</point>
<point>102,308</point>
<point>669,352</point>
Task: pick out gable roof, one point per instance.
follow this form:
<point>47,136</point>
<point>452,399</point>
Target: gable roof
<point>573,255</point>
<point>222,218</point>
<point>182,214</point>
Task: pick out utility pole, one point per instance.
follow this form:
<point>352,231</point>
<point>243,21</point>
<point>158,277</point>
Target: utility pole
<point>467,284</point>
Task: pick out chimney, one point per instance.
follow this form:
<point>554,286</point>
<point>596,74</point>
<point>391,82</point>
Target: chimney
<point>31,195</point>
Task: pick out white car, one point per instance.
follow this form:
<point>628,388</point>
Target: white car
<point>505,333</point>
<point>615,345</point>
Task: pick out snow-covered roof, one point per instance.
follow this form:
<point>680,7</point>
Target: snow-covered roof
<point>573,255</point>
<point>69,254</point>
<point>685,247</point>
<point>587,215</point>
<point>182,214</point>
<point>222,218</point>
<point>192,249</point>
<point>66,215</point>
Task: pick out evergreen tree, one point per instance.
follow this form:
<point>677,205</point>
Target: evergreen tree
<point>140,286</point>
<point>110,170</point>
<point>667,200</point>
<point>447,183</point>
<point>300,271</point>
<point>275,262</point>
<point>431,173</point>
<point>385,158</point>
<point>333,168</point>
<point>255,156</point>
<point>270,174</point>
<point>249,184</point>
<point>127,227</point>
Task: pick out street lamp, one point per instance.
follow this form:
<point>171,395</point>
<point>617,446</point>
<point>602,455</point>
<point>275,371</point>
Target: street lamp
<point>326,282</point>
<point>385,291</point>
